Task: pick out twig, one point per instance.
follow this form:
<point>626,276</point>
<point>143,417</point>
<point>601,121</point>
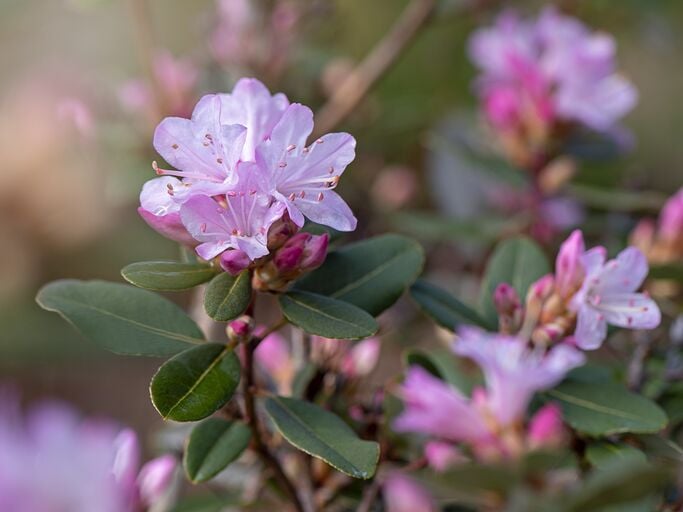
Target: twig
<point>369,496</point>
<point>353,89</point>
<point>253,422</point>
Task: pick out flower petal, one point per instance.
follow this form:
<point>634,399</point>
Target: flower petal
<point>624,274</point>
<point>169,225</point>
<point>630,310</point>
<point>330,211</point>
<point>591,328</point>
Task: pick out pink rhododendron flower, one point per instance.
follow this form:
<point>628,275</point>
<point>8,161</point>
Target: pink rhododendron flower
<point>534,72</point>
<point>302,177</point>
<point>403,494</point>
<point>545,428</point>
<point>51,460</point>
<point>513,373</point>
<point>239,221</point>
<point>441,455</point>
<point>608,296</point>
<point>242,165</point>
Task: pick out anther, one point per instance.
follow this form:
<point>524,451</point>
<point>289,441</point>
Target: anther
<point>291,147</point>
<point>320,196</point>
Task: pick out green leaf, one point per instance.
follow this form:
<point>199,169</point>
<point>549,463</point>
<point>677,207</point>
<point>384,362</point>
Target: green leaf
<point>317,314</point>
<point>517,261</point>
<point>208,503</point>
<point>445,309</point>
<point>122,318</point>
<point>167,275</point>
<point>605,409</point>
<point>213,444</point>
<point>323,435</point>
<point>443,365</point>
<point>614,199</point>
<point>615,483</point>
<point>195,383</point>
<point>228,296</point>
<point>371,274</point>
<point>602,453</point>
<point>672,271</point>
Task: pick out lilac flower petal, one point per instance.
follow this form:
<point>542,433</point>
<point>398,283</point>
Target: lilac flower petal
<point>169,226</point>
<point>156,478</point>
<point>293,129</point>
<point>591,328</point>
<point>330,211</point>
<point>155,197</point>
<point>624,274</point>
<point>630,310</point>
<point>593,260</point>
<point>435,408</point>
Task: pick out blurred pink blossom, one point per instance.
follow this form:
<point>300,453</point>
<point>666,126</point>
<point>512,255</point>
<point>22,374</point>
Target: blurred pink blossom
<point>51,460</point>
<point>552,68</point>
<point>403,494</point>
<point>671,218</point>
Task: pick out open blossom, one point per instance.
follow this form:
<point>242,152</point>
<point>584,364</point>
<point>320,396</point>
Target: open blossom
<point>51,461</point>
<point>513,373</point>
<point>608,296</point>
<point>538,72</point>
<point>240,163</point>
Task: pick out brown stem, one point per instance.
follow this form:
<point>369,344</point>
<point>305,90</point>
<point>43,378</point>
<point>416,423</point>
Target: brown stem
<point>369,496</point>
<point>353,89</point>
<point>253,422</point>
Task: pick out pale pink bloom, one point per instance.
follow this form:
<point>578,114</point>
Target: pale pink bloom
<point>303,177</point>
<point>155,479</point>
<point>235,31</point>
<point>51,460</point>
<point>547,69</point>
<point>403,494</point>
<point>514,372</point>
<point>546,428</point>
<point>76,112</point>
<point>671,218</point>
<point>241,221</point>
<point>608,295</point>
<point>175,77</point>
<point>395,187</point>
<point>361,358</point>
<point>274,356</point>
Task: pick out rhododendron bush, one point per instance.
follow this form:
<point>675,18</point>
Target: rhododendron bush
<point>516,349</point>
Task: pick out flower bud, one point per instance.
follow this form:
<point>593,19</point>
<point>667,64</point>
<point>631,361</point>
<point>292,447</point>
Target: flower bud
<point>362,358</point>
<point>540,290</point>
<point>671,218</point>
<point>280,232</point>
<point>508,306</point>
<point>403,494</point>
<point>643,235</point>
<point>155,479</point>
<point>441,455</point>
<point>569,270</point>
<point>240,329</point>
<point>546,426</point>
<point>234,261</point>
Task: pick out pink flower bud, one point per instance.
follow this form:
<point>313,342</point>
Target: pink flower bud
<point>671,218</point>
<point>505,299</point>
<point>273,355</point>
<point>403,494</point>
<point>281,231</point>
<point>241,329</point>
<point>302,253</point>
<point>441,455</point>
<point>541,289</point>
<point>569,270</point>
<point>234,261</point>
<point>643,235</point>
<point>546,426</point>
<point>155,479</point>
<point>168,225</point>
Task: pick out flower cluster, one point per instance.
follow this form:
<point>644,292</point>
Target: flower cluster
<point>52,461</point>
<point>243,168</point>
<point>585,294</point>
<point>539,76</point>
<point>491,421</point>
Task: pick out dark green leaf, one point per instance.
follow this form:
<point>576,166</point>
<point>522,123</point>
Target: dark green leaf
<point>195,383</point>
<point>227,296</point>
<point>605,409</point>
<point>210,503</point>
<point>122,318</point>
<point>167,275</point>
<point>371,274</point>
<point>602,453</point>
<point>617,200</point>
<point>673,271</point>
<point>432,227</point>
<point>615,483</point>
<point>445,309</point>
<point>214,444</point>
<point>323,435</point>
<point>331,318</point>
<point>517,261</point>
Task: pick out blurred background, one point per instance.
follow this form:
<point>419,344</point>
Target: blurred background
<point>84,82</point>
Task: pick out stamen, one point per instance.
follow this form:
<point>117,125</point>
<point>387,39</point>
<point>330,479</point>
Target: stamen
<point>282,165</point>
<point>202,228</point>
<point>302,194</point>
<point>320,197</point>
<point>292,196</point>
<point>291,147</point>
<point>175,146</point>
<point>219,160</point>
